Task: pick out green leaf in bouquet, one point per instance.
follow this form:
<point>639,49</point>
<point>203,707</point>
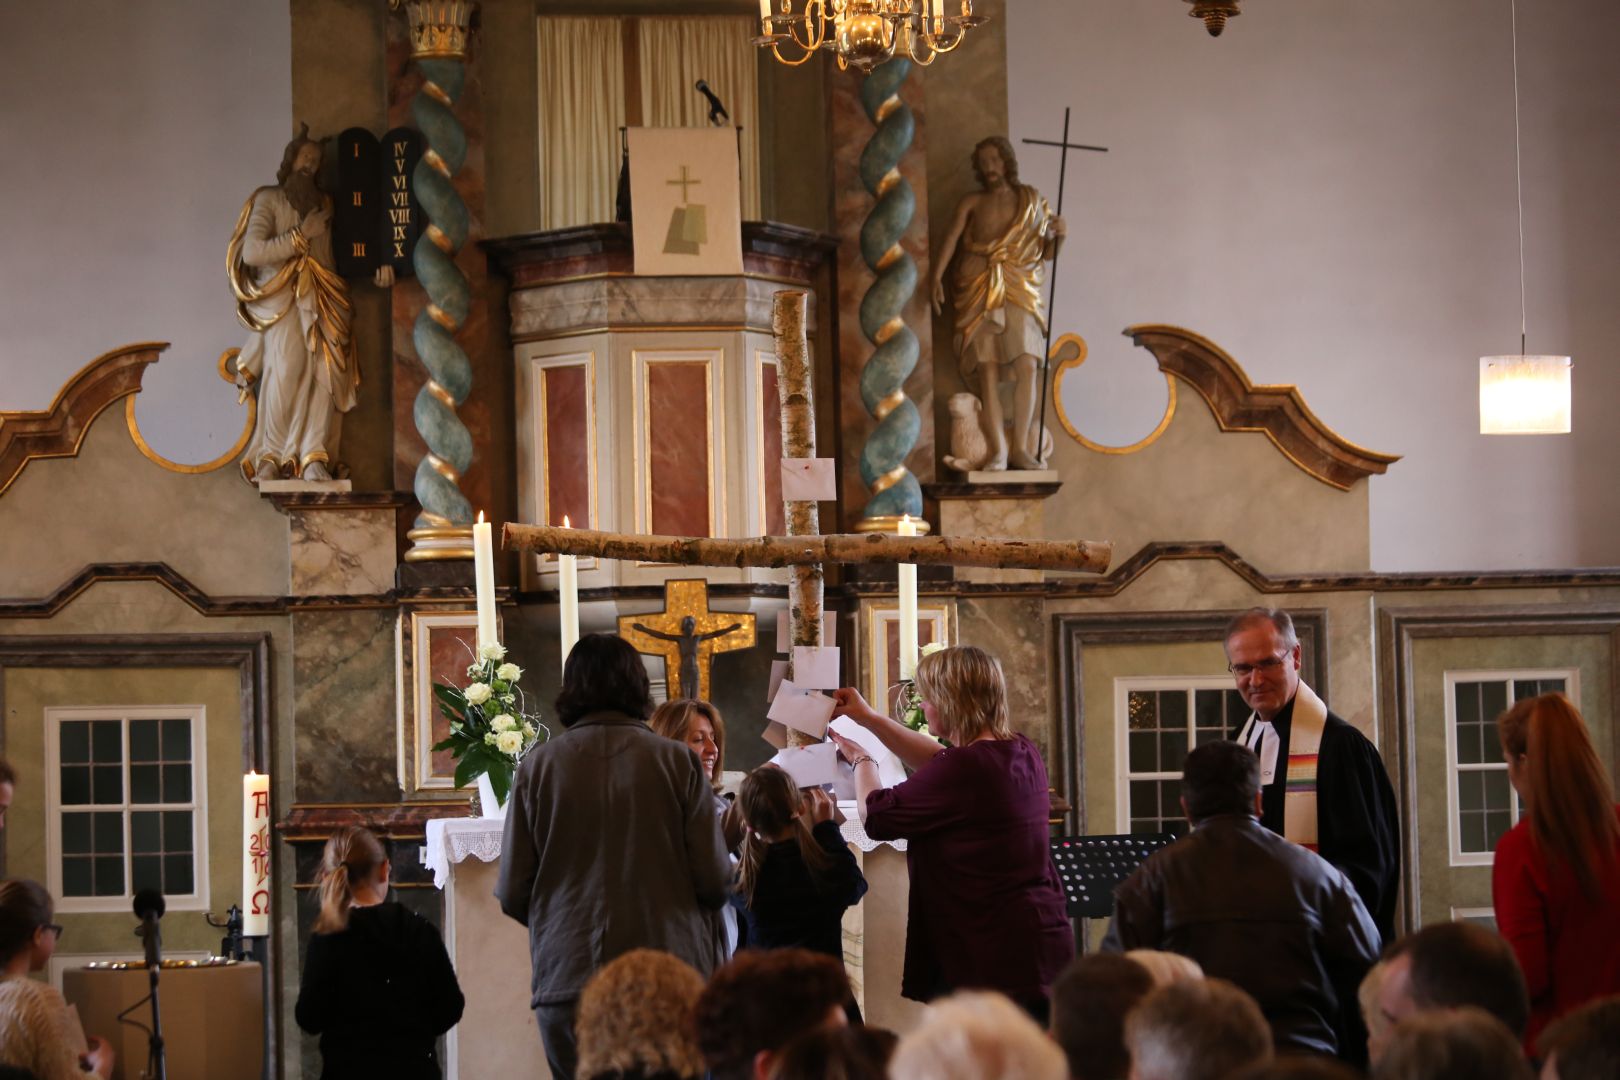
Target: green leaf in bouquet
<point>449,695</point>
<point>500,781</point>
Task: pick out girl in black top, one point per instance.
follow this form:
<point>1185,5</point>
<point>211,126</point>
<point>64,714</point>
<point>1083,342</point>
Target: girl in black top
<point>377,985</point>
<point>796,876</point>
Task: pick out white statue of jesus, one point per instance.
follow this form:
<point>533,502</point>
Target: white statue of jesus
<point>299,352</point>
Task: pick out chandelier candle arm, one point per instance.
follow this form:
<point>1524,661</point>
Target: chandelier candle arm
<point>1089,556</point>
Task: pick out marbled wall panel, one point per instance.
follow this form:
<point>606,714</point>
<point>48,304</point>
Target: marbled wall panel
<point>343,710</point>
<point>347,552</point>
<point>770,432</point>
<point>567,445</point>
<point>1014,630</point>
<point>1024,518</point>
<point>680,435</point>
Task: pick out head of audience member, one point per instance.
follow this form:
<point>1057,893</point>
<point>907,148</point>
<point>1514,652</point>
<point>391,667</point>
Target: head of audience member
<point>8,788</point>
<point>1465,1043</point>
<point>27,935</point>
<point>759,1001</point>
<point>974,1034</point>
<point>354,873</point>
<point>1566,791</point>
<point>1298,1066</point>
<point>1584,1045</point>
<point>1220,777</point>
<point>633,1020</point>
<point>1196,1031</point>
<point>1448,965</point>
<point>964,694</point>
<point>1166,967</point>
<point>1372,1017</point>
<point>1263,654</point>
<point>843,1053</point>
<point>1089,1003</point>
<point>603,673</point>
<point>698,725</point>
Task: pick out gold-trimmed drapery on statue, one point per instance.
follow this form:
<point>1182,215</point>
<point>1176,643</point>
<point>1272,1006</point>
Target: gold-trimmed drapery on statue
<point>299,356</point>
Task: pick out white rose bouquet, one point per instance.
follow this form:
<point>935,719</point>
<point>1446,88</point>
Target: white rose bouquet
<point>489,729</point>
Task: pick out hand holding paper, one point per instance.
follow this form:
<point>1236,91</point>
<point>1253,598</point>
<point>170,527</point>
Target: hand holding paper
<point>802,709</point>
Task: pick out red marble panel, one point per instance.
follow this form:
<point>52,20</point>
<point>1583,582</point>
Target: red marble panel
<point>449,650</point>
<point>771,449</point>
<point>679,437</point>
<point>891,643</point>
<point>567,446</point>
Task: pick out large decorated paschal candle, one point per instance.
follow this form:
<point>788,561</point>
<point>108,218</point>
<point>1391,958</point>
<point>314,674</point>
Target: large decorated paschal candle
<point>484,578</point>
<point>255,855</point>
<point>568,598</point>
<point>908,607</point>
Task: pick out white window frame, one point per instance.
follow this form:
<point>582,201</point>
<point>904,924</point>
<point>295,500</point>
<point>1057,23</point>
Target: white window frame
<point>198,899</point>
<point>1123,687</point>
<point>1572,690</point>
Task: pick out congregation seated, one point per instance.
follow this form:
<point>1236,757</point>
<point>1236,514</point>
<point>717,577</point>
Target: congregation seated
<point>758,1002</point>
<point>1584,1045</point>
<point>838,1053</point>
<point>1196,1031</point>
<point>974,1034</point>
<point>34,1024</point>
<point>633,1021</point>
<point>1166,967</point>
<point>1464,1043</point>
<point>1090,1001</point>
<point>1298,1067</point>
<point>1447,966</point>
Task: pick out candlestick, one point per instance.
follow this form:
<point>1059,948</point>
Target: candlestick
<point>908,607</point>
<point>568,598</point>
<point>484,578</point>
<point>255,855</point>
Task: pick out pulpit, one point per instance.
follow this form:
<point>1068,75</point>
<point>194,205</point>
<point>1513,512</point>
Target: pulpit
<point>213,1017</point>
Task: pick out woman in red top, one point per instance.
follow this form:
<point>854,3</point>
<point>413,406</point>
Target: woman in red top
<point>1556,881</point>
<point>986,908</point>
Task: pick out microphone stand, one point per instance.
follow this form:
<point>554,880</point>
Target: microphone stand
<point>156,1064</point>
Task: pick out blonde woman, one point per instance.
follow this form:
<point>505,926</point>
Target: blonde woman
<point>377,985</point>
<point>986,909</point>
<point>633,1020</point>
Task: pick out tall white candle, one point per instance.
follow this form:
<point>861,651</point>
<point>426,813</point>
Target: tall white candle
<point>908,607</point>
<point>568,599</point>
<point>255,855</point>
<point>484,579</point>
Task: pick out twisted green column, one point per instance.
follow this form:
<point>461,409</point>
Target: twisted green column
<point>449,444</point>
<point>883,459</point>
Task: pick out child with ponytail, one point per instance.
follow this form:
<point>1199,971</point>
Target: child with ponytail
<point>377,984</point>
<point>796,876</point>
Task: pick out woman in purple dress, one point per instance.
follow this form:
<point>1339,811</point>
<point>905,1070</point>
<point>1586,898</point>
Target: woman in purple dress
<point>986,909</point>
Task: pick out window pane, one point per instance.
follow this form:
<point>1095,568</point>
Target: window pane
<point>177,740</point>
<point>107,741</point>
<point>1470,792</point>
<point>1236,711</point>
<point>1492,701</point>
<point>1496,823</point>
<point>177,875</point>
<point>108,830</point>
<point>1144,799</point>
<point>177,831</point>
<point>75,741</point>
<point>1467,694</point>
<point>1207,709</point>
<point>1209,735</point>
<point>1142,710</point>
<point>75,785</point>
<point>1175,828</point>
<point>1498,791</point>
<point>1473,832</point>
<point>1144,752</point>
<point>1469,749</point>
<point>143,740</point>
<point>76,834</point>
<point>1173,749</point>
<point>146,872</point>
<point>1170,799</point>
<point>109,875</point>
<point>145,832</point>
<point>1173,709</point>
<point>76,877</point>
<point>177,783</point>
<point>1144,828</point>
<point>144,784</point>
<point>107,784</point>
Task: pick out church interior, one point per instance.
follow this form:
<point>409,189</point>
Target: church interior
<point>1253,378</point>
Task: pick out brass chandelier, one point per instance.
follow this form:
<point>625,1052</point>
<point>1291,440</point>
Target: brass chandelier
<point>864,32</point>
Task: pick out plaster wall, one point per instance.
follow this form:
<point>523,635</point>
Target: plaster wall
<point>137,130</point>
<point>1327,192</point>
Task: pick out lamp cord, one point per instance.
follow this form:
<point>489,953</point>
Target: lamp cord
<point>1518,172</point>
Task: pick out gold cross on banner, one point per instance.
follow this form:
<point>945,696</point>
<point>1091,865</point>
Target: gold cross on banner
<point>685,181</point>
<point>687,635</point>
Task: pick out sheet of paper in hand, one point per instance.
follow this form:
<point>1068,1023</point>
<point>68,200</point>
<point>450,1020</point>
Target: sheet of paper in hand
<point>810,766</point>
<point>890,771</point>
<point>802,709</point>
<point>807,479</point>
<point>816,668</point>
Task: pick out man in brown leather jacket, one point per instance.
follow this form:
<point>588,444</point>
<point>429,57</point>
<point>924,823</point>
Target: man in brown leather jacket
<point>1254,908</point>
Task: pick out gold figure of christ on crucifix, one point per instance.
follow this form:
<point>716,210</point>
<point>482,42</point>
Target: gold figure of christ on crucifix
<point>687,635</point>
<point>688,222</point>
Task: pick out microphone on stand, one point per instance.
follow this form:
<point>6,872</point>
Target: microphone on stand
<point>149,907</point>
<point>717,112</point>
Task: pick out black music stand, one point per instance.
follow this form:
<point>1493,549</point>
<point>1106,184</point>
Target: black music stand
<point>1090,867</point>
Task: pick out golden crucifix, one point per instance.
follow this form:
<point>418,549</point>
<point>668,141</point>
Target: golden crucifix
<point>687,635</point>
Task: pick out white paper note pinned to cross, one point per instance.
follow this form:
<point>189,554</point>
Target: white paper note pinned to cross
<point>775,734</point>
<point>810,766</point>
<point>778,673</point>
<point>808,480</point>
<point>802,709</point>
<point>816,667</point>
<point>784,637</point>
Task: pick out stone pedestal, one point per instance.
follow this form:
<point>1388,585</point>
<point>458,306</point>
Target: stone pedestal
<point>342,543</point>
<point>1010,504</point>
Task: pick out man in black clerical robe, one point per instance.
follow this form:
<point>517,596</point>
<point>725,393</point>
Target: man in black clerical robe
<point>1348,814</point>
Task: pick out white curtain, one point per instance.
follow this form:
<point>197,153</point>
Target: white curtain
<point>581,111</point>
<point>678,51</point>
